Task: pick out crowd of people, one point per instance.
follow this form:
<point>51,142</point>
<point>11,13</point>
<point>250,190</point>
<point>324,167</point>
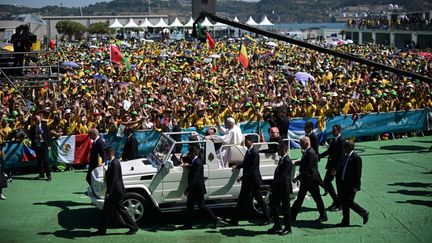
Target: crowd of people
<point>383,23</point>
<point>184,84</point>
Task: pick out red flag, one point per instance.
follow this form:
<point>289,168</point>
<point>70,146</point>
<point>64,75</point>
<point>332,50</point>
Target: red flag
<point>243,57</point>
<point>214,67</point>
<point>211,41</point>
<point>52,44</point>
<point>83,145</point>
<point>115,54</point>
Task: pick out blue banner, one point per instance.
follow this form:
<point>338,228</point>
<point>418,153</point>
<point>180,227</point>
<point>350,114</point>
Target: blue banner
<point>378,123</point>
<point>364,125</point>
<point>296,129</point>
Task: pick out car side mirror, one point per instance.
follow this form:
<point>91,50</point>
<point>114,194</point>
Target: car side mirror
<point>169,164</point>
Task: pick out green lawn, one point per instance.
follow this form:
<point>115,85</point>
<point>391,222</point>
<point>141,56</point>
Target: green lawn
<point>396,189</point>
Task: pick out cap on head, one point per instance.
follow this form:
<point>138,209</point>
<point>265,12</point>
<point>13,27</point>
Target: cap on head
<point>231,120</point>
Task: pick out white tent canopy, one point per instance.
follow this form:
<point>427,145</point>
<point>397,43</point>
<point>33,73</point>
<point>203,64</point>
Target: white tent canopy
<point>131,24</point>
<point>220,25</point>
<point>189,23</point>
<point>265,22</point>
<point>146,23</point>
<point>176,23</point>
<point>161,24</point>
<point>206,23</point>
<point>236,19</point>
<point>116,24</point>
<point>251,21</point>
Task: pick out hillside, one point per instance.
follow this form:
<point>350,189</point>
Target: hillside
<point>276,10</point>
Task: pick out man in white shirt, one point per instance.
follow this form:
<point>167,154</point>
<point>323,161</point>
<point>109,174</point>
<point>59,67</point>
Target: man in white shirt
<point>232,134</point>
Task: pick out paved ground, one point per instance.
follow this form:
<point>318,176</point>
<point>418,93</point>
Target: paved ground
<point>396,189</point>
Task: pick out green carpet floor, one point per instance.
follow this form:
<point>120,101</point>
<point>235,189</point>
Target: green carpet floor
<point>396,189</point>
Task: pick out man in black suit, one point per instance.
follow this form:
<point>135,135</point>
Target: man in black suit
<point>335,153</point>
<point>309,181</point>
<point>282,121</point>
<point>40,140</point>
<point>130,149</point>
<point>113,206</point>
<point>196,188</point>
<point>281,188</point>
<point>314,141</point>
<point>96,151</point>
<point>274,137</point>
<point>349,180</point>
<point>251,182</point>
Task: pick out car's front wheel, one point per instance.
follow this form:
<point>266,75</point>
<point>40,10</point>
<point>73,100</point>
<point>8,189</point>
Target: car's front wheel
<point>135,204</point>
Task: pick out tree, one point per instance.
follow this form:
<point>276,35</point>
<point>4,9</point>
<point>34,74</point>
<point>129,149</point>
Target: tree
<point>69,28</point>
<point>98,28</point>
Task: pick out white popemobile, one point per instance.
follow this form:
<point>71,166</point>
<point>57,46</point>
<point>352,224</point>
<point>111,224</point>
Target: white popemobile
<point>158,181</point>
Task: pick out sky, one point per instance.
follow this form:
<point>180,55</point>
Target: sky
<point>66,3</point>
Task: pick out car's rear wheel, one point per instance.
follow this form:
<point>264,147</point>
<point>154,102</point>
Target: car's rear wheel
<point>135,204</point>
<point>265,193</point>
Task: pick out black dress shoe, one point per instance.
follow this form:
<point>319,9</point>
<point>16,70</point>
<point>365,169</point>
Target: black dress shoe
<point>285,231</point>
<point>232,222</point>
<point>216,222</point>
<point>100,232</point>
<point>267,222</point>
<point>321,219</point>
<point>274,230</point>
<point>185,227</point>
<point>132,231</point>
<point>48,178</point>
<point>334,207</point>
<point>366,217</point>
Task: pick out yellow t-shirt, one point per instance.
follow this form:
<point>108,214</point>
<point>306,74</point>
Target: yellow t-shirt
<point>310,110</point>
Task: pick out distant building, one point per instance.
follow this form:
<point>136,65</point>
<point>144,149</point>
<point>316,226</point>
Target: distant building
<point>203,5</point>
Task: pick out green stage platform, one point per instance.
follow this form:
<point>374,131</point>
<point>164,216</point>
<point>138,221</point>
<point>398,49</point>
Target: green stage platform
<point>396,189</point>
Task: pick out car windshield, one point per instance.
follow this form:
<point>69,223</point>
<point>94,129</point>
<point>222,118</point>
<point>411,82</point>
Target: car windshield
<point>162,149</point>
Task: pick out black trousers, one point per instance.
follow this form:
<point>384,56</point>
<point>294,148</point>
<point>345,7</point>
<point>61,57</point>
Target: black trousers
<point>248,188</point>
<point>19,62</point>
<point>308,185</point>
<point>277,198</point>
<point>42,160</point>
<point>328,186</point>
<point>114,210</point>
<point>196,198</point>
<point>347,199</point>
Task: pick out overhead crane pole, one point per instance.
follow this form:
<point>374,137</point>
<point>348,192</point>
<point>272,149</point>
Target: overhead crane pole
<point>308,45</point>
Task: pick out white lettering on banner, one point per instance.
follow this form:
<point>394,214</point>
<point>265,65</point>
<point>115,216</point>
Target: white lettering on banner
<point>403,121</point>
<point>360,126</point>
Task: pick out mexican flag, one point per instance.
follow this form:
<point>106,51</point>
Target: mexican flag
<point>73,149</point>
